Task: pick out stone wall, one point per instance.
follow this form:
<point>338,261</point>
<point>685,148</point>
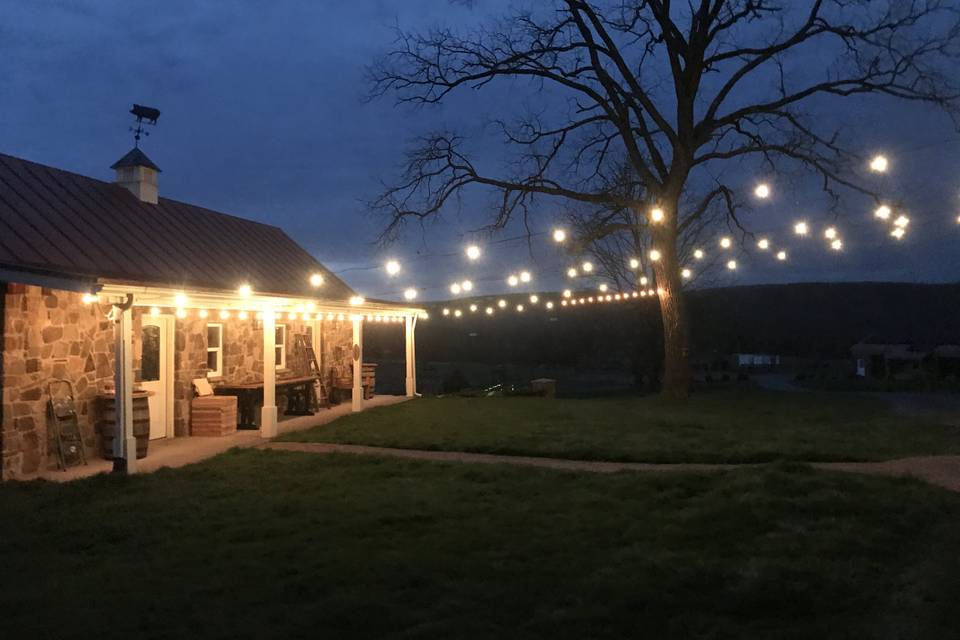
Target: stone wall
<point>49,334</point>
<point>52,334</point>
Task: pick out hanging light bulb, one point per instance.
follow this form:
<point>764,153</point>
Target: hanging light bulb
<point>698,254</point>
<point>549,305</point>
<point>520,308</point>
<point>224,314</point>
<point>763,244</point>
<point>762,191</point>
<point>392,267</point>
<point>446,312</point>
<point>571,273</point>
<point>513,280</point>
<point>89,298</point>
<point>725,243</point>
<point>656,215</point>
<point>879,164</point>
<point>603,287</point>
<point>489,311</point>
<point>154,311</point>
<point>801,228</point>
<point>457,313</point>
<point>356,301</point>
<point>686,274</point>
<point>781,255</point>
<point>473,252</point>
<point>830,233</point>
<point>242,315</point>
<point>534,298</point>
<point>501,303</point>
<point>587,267</point>
<point>898,233</point>
<point>731,265</point>
<point>455,288</point>
<point>466,285</point>
<point>203,313</point>
<point>643,281</point>
<point>316,280</point>
<point>883,212</point>
<point>180,299</point>
<point>567,293</point>
<point>559,235</point>
<point>245,290</point>
<point>654,255</point>
<point>902,222</point>
<point>525,276</point>
<point>181,313</point>
<point>836,245</point>
<point>634,263</point>
<point>410,294</point>
<point>473,308</point>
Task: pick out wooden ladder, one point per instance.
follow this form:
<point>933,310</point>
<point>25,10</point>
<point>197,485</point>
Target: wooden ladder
<point>302,344</point>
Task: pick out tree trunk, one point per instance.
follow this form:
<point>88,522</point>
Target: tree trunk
<point>676,357</point>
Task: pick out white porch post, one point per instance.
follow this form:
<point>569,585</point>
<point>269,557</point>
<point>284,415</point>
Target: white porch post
<point>124,442</point>
<point>410,324</point>
<point>268,414</point>
<point>357,363</point>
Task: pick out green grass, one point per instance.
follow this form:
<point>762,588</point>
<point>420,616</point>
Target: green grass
<point>272,544</point>
<point>745,426</point>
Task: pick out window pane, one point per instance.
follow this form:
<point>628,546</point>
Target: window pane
<point>212,358</point>
<point>213,336</point>
<point>150,363</point>
<point>280,333</point>
<point>278,360</point>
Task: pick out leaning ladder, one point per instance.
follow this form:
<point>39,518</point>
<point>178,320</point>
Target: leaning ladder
<point>66,426</point>
<point>302,344</point>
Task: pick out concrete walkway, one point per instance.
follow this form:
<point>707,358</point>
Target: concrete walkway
<point>177,452</point>
<point>943,471</point>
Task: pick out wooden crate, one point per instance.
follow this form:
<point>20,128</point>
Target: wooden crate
<point>213,416</point>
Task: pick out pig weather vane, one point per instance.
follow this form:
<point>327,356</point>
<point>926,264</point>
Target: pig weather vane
<point>145,116</point>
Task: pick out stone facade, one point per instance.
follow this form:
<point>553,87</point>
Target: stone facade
<point>51,334</point>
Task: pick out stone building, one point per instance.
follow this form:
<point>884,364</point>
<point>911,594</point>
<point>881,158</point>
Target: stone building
<point>113,288</point>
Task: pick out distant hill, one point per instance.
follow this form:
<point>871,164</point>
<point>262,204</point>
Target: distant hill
<point>809,320</point>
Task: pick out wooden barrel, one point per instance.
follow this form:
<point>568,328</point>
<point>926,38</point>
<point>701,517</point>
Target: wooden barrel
<point>141,424</point>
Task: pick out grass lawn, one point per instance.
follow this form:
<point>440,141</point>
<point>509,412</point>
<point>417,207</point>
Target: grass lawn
<point>743,426</point>
<point>271,544</point>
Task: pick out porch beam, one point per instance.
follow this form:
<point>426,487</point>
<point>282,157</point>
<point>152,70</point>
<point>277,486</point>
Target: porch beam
<point>410,325</point>
<point>268,414</point>
<point>357,394</point>
<point>124,442</point>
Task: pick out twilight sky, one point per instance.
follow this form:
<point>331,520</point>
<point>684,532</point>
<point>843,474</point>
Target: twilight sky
<point>263,117</point>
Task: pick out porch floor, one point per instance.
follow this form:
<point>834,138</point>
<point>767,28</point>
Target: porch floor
<point>177,452</point>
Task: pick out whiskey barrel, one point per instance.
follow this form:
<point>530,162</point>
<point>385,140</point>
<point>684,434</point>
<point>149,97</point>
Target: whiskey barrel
<point>141,423</point>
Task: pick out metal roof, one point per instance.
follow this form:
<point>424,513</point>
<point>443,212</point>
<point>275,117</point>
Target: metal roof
<point>64,224</point>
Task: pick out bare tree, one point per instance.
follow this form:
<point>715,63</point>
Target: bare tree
<point>674,91</point>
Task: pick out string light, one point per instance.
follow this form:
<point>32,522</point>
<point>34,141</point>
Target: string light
<point>643,281</point>
<point>898,233</point>
<point>902,222</point>
<point>502,303</point>
<point>154,311</point>
<point>520,308</point>
<point>549,305</point>
<point>836,245</point>
<point>410,294</point>
<point>571,273</point>
<point>654,255</point>
<point>203,313</point>
<point>473,308</point>
<point>392,267</point>
<point>731,265</point>
<point>686,274</point>
<point>634,263</point>
<point>513,281</point>
<point>181,313</point>
<point>457,313</point>
<point>524,276</point>
<point>587,267</point>
<point>656,215</point>
<point>559,235</point>
<point>883,212</point>
<point>725,243</point>
<point>801,228</point>
<point>603,287</point>
<point>316,280</point>
<point>245,291</point>
<point>356,301</point>
<point>446,311</point>
<point>242,315</point>
<point>878,164</point>
<point>534,299</point>
<point>455,288</point>
<point>762,191</point>
<point>489,311</point>
<point>781,255</point>
<point>224,314</point>
<point>698,254</point>
<point>473,252</point>
<point>466,285</point>
<point>89,298</point>
<point>830,233</point>
<point>180,299</point>
<point>567,293</point>
<point>763,244</point>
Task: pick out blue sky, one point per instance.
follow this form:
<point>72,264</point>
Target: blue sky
<point>263,117</point>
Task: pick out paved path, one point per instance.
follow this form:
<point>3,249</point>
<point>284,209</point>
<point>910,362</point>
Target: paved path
<point>943,471</point>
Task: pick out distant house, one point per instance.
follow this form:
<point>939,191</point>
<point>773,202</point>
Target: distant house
<point>111,287</point>
<point>901,360</point>
<point>755,360</point>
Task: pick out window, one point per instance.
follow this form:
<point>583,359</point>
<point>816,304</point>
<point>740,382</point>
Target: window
<point>150,358</point>
<point>214,350</point>
<point>280,347</point>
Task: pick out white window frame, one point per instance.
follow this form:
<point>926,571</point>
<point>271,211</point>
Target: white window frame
<point>282,345</point>
<point>218,372</point>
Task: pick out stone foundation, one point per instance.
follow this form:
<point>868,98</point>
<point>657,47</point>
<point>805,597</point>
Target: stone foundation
<point>50,334</point>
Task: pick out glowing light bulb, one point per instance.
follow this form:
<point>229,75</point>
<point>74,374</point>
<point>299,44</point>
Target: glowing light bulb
<point>762,191</point>
<point>763,244</point>
<point>830,233</point>
<point>473,308</point>
<point>781,255</point>
<point>836,245</point>
<point>559,235</point>
<point>898,232</point>
<point>489,311</point>
<point>502,303</point>
<point>656,215</point>
<point>89,298</point>
<point>587,267</point>
<point>243,315</point>
<point>520,308</point>
<point>603,287</point>
<point>457,313</point>
<point>446,312</point>
<point>643,281</point>
<point>154,311</point>
<point>356,301</point>
<point>203,313</point>
<point>245,291</point>
<point>686,274</point>
<point>466,285</point>
<point>698,254</point>
<point>392,267</point>
<point>654,255</point>
<point>902,222</point>
<point>731,265</point>
<point>883,212</point>
<point>725,243</point>
<point>549,305</point>
<point>567,293</point>
<point>455,288</point>
<point>534,299</point>
<point>879,164</point>
<point>410,294</point>
<point>180,299</point>
<point>524,276</point>
<point>801,228</point>
<point>224,315</point>
<point>181,313</point>
<point>634,263</point>
<point>473,252</point>
<point>316,280</point>
<point>571,273</point>
<point>513,281</point>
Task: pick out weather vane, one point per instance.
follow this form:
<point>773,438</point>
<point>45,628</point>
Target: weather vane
<point>144,115</point>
